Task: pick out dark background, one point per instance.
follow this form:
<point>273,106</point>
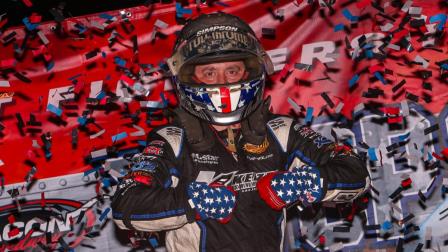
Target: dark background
<point>16,10</point>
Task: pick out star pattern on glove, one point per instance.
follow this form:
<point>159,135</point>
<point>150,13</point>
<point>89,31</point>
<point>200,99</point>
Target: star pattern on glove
<point>211,202</point>
<point>302,183</point>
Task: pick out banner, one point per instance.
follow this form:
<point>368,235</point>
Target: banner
<point>78,96</point>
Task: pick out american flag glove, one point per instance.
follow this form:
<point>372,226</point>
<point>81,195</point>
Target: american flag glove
<point>212,201</point>
<point>285,188</point>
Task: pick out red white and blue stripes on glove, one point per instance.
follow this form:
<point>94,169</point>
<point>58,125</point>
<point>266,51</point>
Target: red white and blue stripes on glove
<point>284,188</point>
<point>212,201</point>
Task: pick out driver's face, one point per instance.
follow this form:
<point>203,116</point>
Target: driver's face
<point>220,73</point>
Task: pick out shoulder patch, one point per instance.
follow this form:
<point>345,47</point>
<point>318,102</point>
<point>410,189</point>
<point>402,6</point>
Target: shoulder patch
<point>279,127</point>
<point>174,136</point>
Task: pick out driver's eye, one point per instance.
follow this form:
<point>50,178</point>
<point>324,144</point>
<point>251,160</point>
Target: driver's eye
<point>209,74</point>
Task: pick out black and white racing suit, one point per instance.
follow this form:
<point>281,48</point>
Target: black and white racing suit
<point>253,226</point>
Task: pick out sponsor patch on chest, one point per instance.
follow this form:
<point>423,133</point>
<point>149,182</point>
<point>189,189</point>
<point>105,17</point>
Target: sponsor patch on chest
<point>204,158</point>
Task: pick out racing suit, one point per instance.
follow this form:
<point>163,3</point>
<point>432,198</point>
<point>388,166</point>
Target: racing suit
<point>254,226</point>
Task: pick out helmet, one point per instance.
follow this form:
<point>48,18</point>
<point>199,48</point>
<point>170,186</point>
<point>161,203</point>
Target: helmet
<point>214,38</point>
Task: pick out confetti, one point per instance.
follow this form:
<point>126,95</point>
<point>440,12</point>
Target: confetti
<point>327,99</point>
<point>431,129</point>
<point>348,15</point>
<point>53,109</point>
<point>268,33</point>
<point>338,27</point>
<point>353,81</point>
<point>294,105</point>
<point>104,214</point>
<point>440,19</point>
<point>309,114</point>
<point>181,11</point>
<point>98,153</point>
<point>99,133</point>
<point>119,136</point>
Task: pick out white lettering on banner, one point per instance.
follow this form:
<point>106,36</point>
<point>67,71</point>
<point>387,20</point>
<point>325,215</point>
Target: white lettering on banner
<point>54,225</point>
<point>324,51</point>
<point>7,229</point>
<point>319,50</point>
<point>278,57</point>
<point>371,38</point>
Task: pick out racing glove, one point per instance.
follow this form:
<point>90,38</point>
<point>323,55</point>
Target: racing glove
<point>284,188</point>
<point>213,201</point>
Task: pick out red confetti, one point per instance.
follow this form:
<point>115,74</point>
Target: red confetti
<point>322,240</point>
<point>445,153</point>
<point>78,87</point>
<point>397,119</point>
<point>363,4</point>
<point>128,80</point>
<point>7,63</point>
<point>11,219</point>
<point>406,183</point>
<point>3,22</point>
<point>28,3</point>
<point>35,18</point>
<point>401,34</point>
<point>376,68</point>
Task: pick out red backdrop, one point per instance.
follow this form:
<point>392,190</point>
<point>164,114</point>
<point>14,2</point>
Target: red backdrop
<point>301,24</point>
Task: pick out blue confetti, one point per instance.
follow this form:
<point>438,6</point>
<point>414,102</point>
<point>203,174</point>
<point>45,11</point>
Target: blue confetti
<point>181,11</point>
<point>349,16</point>
<point>106,16</point>
<point>386,225</point>
<point>441,18</point>
<point>106,182</point>
<point>82,120</point>
<point>50,65</point>
<point>54,109</point>
<point>94,169</point>
<point>104,214</point>
<point>100,95</point>
<point>119,136</point>
<point>372,154</point>
<point>380,77</point>
<point>164,100</point>
<point>309,114</point>
<point>81,28</point>
<point>30,26</point>
<point>119,61</point>
<point>339,27</point>
<point>353,81</point>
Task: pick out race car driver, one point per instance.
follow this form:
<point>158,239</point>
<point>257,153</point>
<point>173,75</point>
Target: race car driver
<point>220,175</point>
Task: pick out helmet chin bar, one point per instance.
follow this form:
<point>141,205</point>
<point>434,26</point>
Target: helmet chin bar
<point>225,119</point>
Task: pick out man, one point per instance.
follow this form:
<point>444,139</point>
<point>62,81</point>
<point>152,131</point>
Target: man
<point>220,175</point>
